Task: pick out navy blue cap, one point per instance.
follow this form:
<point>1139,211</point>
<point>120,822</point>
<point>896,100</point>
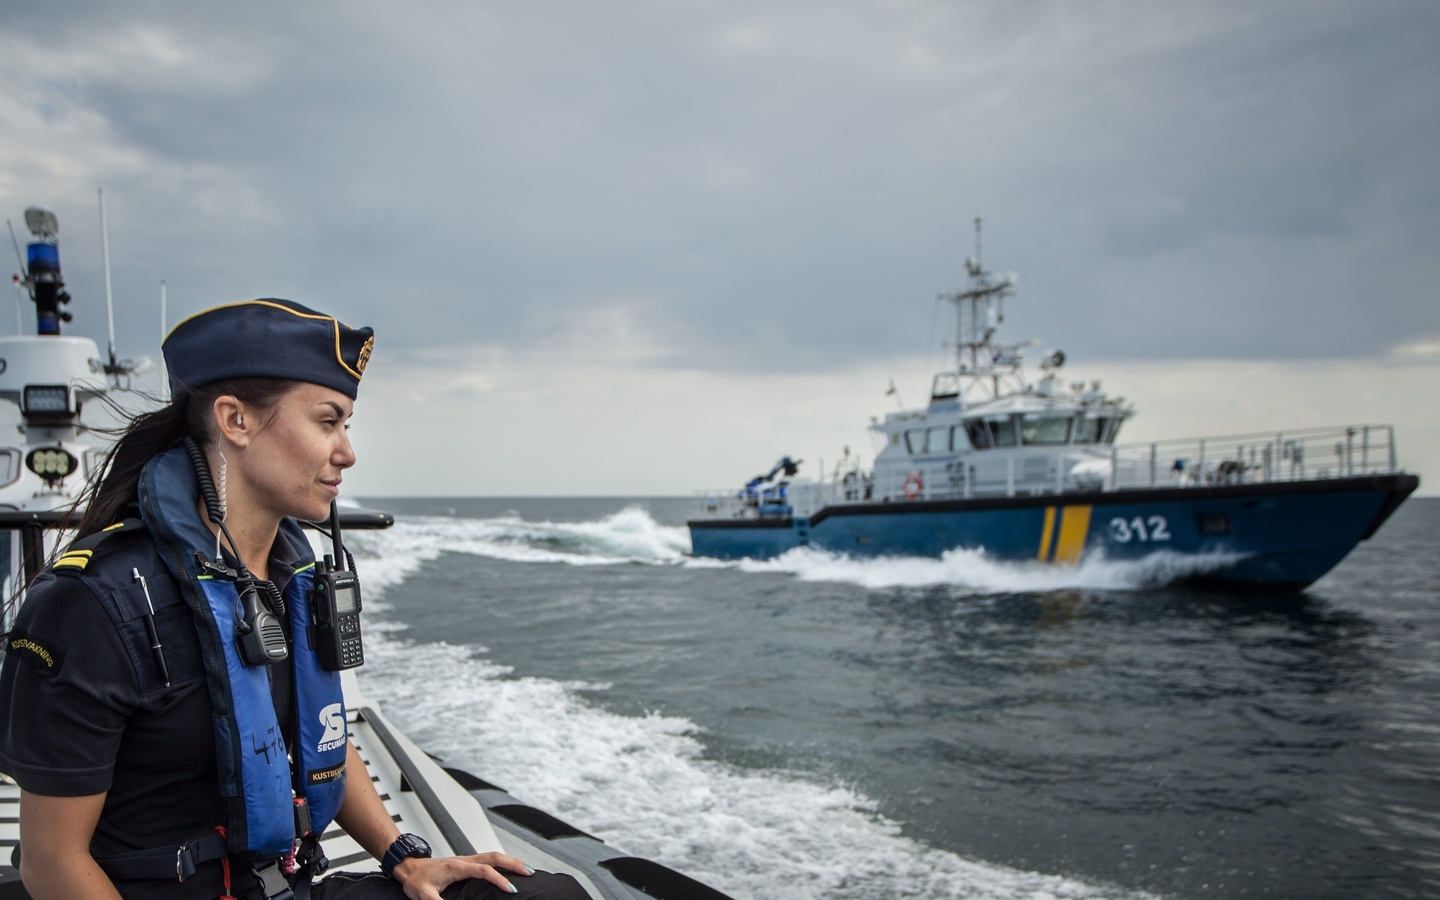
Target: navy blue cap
<point>267,339</point>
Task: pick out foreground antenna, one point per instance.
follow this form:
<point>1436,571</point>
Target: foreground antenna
<point>113,368</point>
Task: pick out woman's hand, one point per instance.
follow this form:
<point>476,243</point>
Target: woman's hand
<point>363,816</point>
<point>424,878</point>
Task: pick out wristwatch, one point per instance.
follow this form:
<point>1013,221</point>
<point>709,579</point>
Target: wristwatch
<point>405,846</point>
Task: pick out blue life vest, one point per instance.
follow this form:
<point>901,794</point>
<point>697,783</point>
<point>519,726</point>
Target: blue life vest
<point>256,778</point>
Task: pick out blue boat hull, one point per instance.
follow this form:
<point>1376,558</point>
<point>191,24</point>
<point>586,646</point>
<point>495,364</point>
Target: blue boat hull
<point>1282,535</point>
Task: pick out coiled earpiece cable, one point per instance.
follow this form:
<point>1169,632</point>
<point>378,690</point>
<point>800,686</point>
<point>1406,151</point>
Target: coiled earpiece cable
<point>257,628</point>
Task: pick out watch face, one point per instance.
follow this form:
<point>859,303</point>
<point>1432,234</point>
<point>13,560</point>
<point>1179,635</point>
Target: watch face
<point>416,845</point>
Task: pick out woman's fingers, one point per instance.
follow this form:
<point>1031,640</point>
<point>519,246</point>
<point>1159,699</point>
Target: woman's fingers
<point>502,861</point>
<point>424,879</point>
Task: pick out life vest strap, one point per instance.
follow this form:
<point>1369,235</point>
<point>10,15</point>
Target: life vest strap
<point>176,861</point>
<point>274,883</point>
<point>180,862</point>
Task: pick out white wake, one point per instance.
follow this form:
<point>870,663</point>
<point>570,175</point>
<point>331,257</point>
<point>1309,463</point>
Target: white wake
<point>643,783</point>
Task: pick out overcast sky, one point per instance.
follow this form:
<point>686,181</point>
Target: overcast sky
<point>647,247</point>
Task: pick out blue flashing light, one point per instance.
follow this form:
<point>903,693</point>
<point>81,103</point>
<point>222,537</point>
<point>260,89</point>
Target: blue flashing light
<point>44,257</point>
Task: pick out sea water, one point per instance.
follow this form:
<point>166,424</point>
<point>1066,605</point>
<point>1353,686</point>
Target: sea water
<point>820,727</point>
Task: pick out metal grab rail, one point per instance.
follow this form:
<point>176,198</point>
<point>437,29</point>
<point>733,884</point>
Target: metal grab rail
<point>32,525</point>
<point>1308,454</point>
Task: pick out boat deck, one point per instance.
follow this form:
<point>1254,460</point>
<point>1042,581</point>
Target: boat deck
<point>419,793</point>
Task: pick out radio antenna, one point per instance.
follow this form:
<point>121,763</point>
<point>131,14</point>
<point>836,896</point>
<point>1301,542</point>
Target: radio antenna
<point>335,535</point>
<point>21,280</point>
<point>24,274</point>
<point>114,367</point>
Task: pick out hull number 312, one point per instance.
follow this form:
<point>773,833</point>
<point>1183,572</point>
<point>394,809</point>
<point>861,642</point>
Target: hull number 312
<point>1140,528</point>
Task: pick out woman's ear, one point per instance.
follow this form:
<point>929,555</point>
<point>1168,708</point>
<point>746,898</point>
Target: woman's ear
<point>231,423</point>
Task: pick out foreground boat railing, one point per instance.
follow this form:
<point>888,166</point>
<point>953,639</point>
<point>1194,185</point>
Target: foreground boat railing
<point>19,564</point>
<point>1311,454</point>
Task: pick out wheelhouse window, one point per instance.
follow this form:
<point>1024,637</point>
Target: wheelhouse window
<point>946,386</point>
<point>1045,429</point>
<point>1003,432</point>
<point>924,441</point>
<point>1090,431</point>
<point>978,435</point>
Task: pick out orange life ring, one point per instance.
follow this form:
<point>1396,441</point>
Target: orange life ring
<point>914,484</point>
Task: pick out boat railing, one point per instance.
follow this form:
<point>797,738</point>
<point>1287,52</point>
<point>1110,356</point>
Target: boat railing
<point>24,548</point>
<point>1311,454</point>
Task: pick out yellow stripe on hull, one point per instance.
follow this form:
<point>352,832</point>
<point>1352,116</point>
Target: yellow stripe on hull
<point>1047,533</point>
<point>1074,527</point>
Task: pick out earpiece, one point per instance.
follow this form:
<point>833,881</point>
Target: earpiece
<point>239,421</point>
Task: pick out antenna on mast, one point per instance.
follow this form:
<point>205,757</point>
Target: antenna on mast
<point>114,367</point>
<point>21,280</point>
<point>977,240</point>
<point>19,257</point>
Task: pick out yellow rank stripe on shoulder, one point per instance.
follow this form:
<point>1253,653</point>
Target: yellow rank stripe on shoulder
<point>113,527</point>
<point>74,559</point>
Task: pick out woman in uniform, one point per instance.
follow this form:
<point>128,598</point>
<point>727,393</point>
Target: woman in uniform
<point>172,730</point>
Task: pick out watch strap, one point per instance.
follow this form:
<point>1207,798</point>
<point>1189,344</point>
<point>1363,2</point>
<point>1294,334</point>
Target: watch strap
<point>404,847</point>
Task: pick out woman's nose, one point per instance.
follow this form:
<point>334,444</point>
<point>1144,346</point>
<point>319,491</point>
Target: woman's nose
<point>345,454</point>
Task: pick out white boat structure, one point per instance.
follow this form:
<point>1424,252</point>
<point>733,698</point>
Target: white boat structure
<point>1031,470</point>
<point>50,377</point>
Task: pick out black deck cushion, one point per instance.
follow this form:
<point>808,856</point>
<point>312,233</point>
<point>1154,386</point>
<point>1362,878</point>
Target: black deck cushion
<point>470,782</point>
<point>659,881</point>
<point>539,821</point>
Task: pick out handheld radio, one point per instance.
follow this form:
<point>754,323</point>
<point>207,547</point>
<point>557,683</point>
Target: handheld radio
<point>335,608</point>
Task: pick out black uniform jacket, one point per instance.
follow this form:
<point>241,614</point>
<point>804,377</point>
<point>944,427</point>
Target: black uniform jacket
<point>84,709</point>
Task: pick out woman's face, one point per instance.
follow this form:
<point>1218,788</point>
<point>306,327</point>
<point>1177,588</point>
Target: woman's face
<point>294,461</point>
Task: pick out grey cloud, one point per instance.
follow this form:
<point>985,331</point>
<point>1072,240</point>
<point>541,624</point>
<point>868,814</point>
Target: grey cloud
<point>776,187</point>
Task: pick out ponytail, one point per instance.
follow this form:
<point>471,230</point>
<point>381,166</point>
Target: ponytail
<point>116,486</point>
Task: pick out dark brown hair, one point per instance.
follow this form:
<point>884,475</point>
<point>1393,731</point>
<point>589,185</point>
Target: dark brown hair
<point>187,415</point>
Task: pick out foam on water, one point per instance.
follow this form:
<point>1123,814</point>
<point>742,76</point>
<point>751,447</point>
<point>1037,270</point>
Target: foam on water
<point>643,783</point>
<point>633,536</point>
<point>628,536</point>
<point>975,570</point>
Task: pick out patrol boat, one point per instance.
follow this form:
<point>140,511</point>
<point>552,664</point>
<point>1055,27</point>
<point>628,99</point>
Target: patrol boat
<point>50,377</point>
<point>1031,470</point>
